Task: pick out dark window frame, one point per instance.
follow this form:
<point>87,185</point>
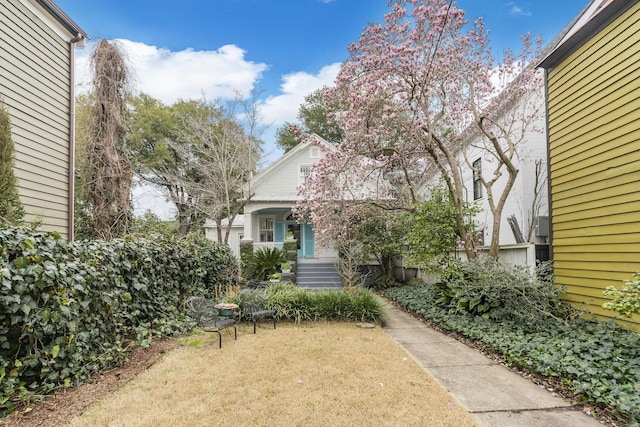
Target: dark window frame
<point>477,182</point>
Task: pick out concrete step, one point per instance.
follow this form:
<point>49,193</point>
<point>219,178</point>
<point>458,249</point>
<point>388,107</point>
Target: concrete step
<point>318,276</point>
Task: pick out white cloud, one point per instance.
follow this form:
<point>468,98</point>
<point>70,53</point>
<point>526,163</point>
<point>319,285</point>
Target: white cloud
<point>517,10</point>
<point>187,74</point>
<point>283,108</point>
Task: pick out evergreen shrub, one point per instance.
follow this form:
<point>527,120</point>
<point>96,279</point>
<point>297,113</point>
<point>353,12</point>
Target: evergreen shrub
<point>11,211</point>
<point>489,288</point>
<point>72,309</point>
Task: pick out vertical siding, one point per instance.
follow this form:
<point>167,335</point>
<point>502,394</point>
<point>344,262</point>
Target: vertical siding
<point>594,146</point>
<point>34,65</point>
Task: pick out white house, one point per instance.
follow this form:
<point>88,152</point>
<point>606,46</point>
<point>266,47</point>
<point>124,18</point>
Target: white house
<point>525,218</point>
<point>235,234</point>
<point>526,210</point>
<point>268,215</point>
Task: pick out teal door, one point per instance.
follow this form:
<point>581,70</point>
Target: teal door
<point>308,241</point>
<point>294,227</point>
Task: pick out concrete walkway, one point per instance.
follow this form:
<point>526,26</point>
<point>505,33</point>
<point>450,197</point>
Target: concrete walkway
<point>493,394</point>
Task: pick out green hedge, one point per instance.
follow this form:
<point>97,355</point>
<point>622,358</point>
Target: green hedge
<point>297,304</point>
<point>69,310</point>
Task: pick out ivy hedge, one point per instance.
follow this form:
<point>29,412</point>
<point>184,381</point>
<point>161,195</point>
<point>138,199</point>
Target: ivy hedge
<point>599,362</point>
<point>71,309</point>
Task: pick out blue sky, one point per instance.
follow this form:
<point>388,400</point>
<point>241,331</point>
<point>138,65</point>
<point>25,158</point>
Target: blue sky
<point>184,48</point>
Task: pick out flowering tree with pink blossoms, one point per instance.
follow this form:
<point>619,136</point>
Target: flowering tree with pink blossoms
<point>417,93</point>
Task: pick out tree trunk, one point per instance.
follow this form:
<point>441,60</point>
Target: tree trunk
<point>184,220</point>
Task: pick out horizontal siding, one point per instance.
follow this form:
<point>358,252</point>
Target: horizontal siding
<point>591,281</point>
<point>31,185</point>
<point>284,180</point>
<point>591,73</point>
<point>599,203</point>
<point>45,202</point>
<point>594,148</point>
<point>34,64</point>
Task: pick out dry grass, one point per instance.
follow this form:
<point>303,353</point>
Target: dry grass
<point>313,374</point>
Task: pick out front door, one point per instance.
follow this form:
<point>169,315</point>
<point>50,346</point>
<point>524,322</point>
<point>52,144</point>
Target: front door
<point>305,238</point>
<point>308,249</point>
<point>294,227</point>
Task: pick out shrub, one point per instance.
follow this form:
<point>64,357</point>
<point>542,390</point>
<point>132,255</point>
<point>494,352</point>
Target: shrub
<point>263,263</point>
<point>384,282</point>
<point>11,211</point>
<point>297,304</point>
<point>289,301</point>
<point>625,301</point>
<point>433,233</point>
<point>491,289</point>
<point>68,310</point>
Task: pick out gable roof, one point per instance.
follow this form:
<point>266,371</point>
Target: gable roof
<point>590,21</point>
<point>273,168</point>
<point>238,222</point>
<point>62,18</point>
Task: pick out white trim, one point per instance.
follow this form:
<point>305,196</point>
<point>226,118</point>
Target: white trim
<point>273,229</point>
<point>275,166</point>
<point>304,170</point>
<point>46,20</point>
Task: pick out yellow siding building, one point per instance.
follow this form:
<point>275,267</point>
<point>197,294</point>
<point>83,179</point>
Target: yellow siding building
<point>593,101</point>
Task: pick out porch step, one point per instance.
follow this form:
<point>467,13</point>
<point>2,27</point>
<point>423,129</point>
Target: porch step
<point>318,276</point>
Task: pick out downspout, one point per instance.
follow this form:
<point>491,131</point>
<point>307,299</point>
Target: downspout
<point>72,134</point>
<point>549,198</point>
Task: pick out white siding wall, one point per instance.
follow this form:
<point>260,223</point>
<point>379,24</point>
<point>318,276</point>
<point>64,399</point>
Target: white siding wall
<point>211,233</point>
<point>35,70</point>
<point>284,180</point>
<point>521,195</point>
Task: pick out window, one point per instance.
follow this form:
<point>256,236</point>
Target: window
<point>303,172</point>
<point>266,229</point>
<point>477,184</point>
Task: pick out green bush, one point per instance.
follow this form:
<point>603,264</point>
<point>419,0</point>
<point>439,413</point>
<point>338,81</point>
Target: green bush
<point>263,263</point>
<point>68,310</point>
<point>290,301</point>
<point>598,361</point>
<point>625,301</point>
<point>11,210</point>
<point>297,304</point>
<point>489,288</point>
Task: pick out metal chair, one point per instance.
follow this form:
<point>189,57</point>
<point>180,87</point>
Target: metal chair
<point>207,317</point>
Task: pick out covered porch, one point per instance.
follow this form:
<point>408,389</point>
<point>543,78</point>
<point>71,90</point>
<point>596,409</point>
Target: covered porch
<point>269,226</point>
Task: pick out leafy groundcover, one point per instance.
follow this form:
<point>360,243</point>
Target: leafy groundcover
<point>599,362</point>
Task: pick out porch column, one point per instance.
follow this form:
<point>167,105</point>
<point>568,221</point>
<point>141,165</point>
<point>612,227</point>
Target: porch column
<point>248,226</point>
<point>246,243</point>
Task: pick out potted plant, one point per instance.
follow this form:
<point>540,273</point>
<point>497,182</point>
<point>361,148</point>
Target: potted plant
<point>226,309</point>
<point>286,267</point>
<point>275,277</point>
<point>288,235</point>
